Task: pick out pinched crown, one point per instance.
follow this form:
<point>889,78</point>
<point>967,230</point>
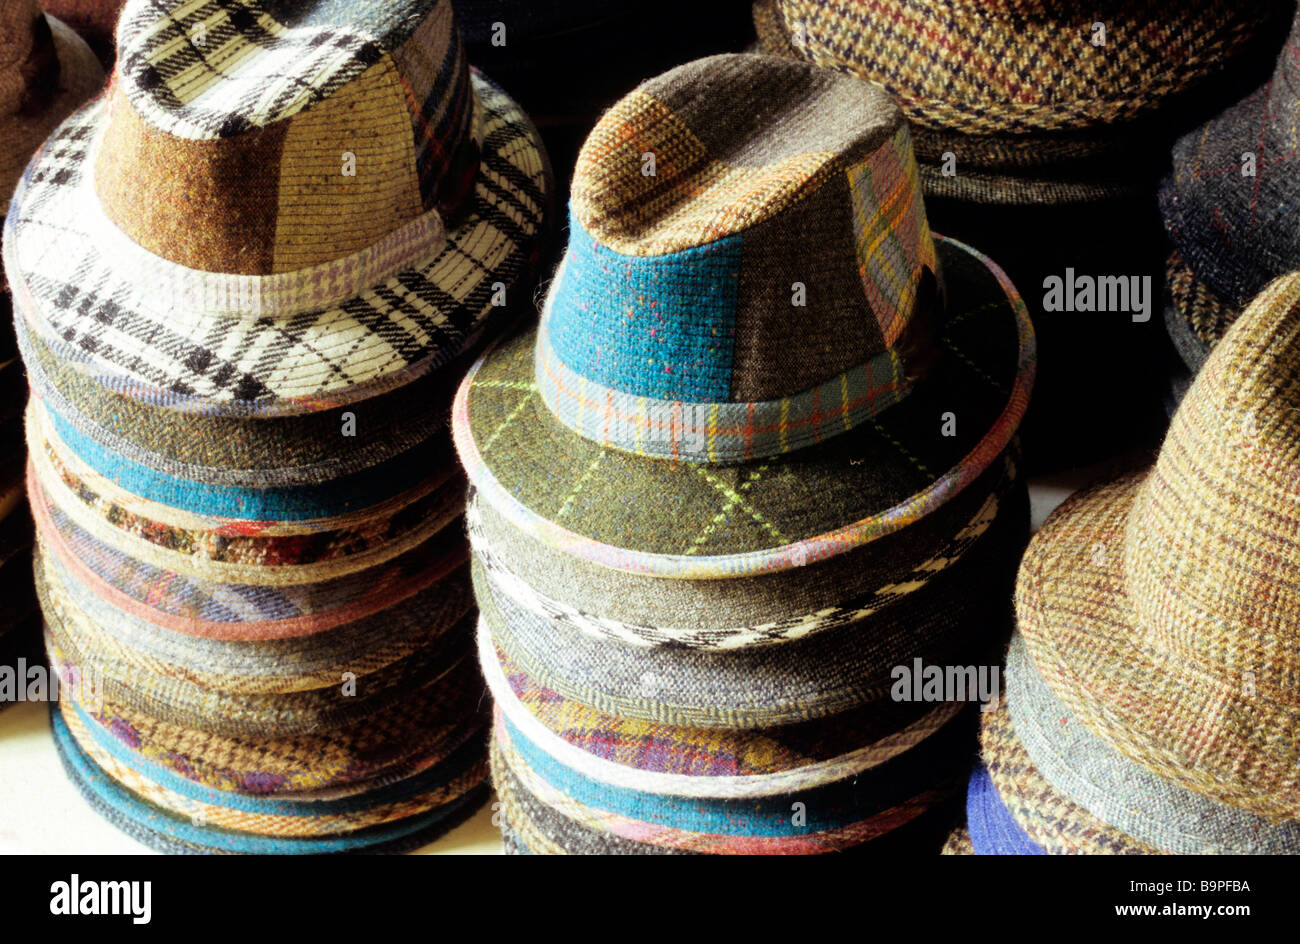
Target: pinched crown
<point>258,137</point>
<point>1212,552</point>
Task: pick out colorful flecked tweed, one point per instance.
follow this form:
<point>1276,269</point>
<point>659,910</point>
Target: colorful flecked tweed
<point>278,818</point>
<point>596,746</point>
<point>1032,66</point>
<point>1047,818</point>
<point>326,498</point>
<point>1118,791</point>
<point>402,739</point>
<point>952,621</point>
<point>1226,200</point>
<point>170,833</point>
<point>1171,644</point>
<point>774,835</point>
<point>778,513</point>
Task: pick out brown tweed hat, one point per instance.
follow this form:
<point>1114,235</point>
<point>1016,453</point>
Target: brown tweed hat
<point>1162,610</point>
<point>1023,66</point>
<point>46,71</point>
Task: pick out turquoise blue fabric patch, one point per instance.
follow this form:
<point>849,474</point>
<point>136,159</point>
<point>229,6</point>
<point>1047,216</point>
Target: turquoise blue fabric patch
<point>675,331</point>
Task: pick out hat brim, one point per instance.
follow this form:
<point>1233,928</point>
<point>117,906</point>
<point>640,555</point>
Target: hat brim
<point>1044,817</point>
<point>66,268</point>
<point>168,832</point>
<point>689,520</point>
<point>80,76</point>
<point>1175,717</point>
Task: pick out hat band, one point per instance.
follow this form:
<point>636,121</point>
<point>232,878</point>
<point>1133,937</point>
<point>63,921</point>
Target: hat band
<point>1121,792</point>
<point>715,432</point>
<point>208,294</point>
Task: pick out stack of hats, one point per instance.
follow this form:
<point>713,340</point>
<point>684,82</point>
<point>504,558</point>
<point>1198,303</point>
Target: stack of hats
<point>245,288</point>
<point>45,72</point>
<point>1042,128</point>
<point>759,454</point>
<point>1151,689</point>
<point>94,20</point>
<point>566,61</point>
<point>1227,208</point>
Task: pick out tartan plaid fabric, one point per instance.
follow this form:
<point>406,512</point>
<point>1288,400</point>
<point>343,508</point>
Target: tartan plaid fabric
<point>894,242</point>
<point>1024,67</point>
<point>410,324</point>
<point>217,68</point>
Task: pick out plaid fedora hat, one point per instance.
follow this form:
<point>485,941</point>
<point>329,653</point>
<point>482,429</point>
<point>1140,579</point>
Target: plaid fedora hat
<point>1140,600</point>
<point>675,414</point>
<point>279,208</point>
<point>1225,207</point>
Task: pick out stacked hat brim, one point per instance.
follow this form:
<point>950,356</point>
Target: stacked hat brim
<point>690,620</point>
<point>55,75</point>
<point>93,20</point>
<point>1143,715</point>
<point>251,559</point>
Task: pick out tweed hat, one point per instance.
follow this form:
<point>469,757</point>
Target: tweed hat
<point>675,414</point>
<point>1158,607</point>
<point>1226,204</point>
<point>1024,66</point>
<point>309,207</point>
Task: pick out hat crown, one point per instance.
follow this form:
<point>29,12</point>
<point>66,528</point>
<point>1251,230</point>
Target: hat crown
<point>257,137</point>
<point>1213,545</point>
<point>743,229</point>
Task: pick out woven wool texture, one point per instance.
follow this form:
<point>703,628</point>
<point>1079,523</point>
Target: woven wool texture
<point>1176,648</point>
<point>1231,227</point>
<point>1121,793</point>
<point>279,610</point>
<point>1032,67</point>
<point>761,610</point>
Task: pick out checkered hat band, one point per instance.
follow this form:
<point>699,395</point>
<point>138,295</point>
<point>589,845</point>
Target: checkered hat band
<point>687,785</point>
<point>715,432</point>
<point>200,293</point>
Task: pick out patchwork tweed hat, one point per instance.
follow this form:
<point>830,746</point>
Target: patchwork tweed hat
<point>1159,609</point>
<point>1226,207</point>
<point>755,355</point>
<point>307,208</point>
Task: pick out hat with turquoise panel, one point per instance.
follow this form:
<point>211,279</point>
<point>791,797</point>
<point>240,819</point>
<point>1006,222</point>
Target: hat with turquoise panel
<point>754,354</point>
